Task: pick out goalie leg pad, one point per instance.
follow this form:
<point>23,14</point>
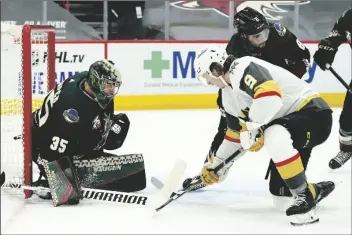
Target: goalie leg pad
<point>63,181</point>
<point>124,173</point>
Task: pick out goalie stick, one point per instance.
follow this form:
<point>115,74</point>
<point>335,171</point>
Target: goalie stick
<point>88,193</point>
<point>175,195</point>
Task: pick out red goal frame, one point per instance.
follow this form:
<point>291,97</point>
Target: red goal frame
<point>26,44</point>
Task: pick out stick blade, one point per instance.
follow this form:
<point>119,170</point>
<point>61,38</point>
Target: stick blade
<point>169,186</point>
<point>157,183</point>
<point>172,182</point>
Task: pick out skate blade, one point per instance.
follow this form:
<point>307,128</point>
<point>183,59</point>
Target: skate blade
<point>304,219</point>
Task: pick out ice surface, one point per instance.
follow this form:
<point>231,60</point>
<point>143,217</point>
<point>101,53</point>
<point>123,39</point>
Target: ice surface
<point>241,204</point>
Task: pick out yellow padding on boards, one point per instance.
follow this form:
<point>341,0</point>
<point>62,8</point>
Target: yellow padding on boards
<point>290,169</point>
<point>194,101</point>
<point>157,102</point>
<point>163,102</point>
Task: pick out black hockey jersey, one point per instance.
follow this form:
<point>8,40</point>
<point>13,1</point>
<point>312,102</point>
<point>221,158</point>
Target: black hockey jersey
<point>342,30</point>
<point>70,122</point>
<point>282,49</point>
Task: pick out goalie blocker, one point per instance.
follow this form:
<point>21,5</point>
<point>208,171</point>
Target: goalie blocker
<point>67,176</point>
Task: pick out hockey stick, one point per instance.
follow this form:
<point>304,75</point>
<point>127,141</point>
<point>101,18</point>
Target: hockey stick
<point>88,193</point>
<point>349,89</point>
<point>174,179</point>
<point>157,183</point>
<point>196,181</point>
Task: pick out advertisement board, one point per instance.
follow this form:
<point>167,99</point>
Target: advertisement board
<point>156,75</point>
<point>160,68</point>
<point>70,59</point>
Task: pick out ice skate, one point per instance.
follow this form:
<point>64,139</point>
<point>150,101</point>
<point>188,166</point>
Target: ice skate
<point>323,189</point>
<point>341,158</point>
<point>302,211</point>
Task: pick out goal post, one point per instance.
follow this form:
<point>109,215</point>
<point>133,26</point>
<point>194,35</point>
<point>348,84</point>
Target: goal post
<point>27,66</point>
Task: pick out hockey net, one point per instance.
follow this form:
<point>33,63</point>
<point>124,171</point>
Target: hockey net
<point>27,74</point>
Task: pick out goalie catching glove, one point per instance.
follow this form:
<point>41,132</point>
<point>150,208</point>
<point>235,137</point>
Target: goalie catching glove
<point>118,132</point>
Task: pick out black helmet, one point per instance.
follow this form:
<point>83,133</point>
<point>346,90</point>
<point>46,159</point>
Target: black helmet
<point>249,21</point>
<point>103,75</point>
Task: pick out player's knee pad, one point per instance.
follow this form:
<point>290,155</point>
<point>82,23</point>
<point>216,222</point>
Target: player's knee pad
<point>278,143</point>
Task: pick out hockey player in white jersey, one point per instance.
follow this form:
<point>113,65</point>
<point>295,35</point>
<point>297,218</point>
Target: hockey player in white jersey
<point>268,106</point>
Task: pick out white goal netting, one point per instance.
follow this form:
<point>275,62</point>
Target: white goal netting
<point>24,83</point>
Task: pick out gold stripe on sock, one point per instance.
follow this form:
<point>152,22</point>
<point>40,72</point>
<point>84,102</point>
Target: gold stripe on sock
<point>312,189</point>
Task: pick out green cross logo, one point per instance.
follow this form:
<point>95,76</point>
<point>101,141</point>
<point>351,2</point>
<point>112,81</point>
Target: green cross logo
<point>156,64</point>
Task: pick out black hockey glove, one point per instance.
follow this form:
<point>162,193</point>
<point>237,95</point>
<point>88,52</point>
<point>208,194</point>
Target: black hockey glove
<point>118,132</point>
<point>325,54</point>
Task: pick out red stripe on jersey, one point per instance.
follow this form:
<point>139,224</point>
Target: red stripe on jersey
<point>231,139</point>
<point>287,161</point>
<point>268,93</point>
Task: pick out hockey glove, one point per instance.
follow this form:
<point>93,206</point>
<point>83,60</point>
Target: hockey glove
<point>251,136</point>
<point>208,176</point>
<point>118,132</point>
<point>325,54</point>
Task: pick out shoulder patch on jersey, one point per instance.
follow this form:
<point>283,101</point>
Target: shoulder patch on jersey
<point>281,30</point>
<point>71,116</point>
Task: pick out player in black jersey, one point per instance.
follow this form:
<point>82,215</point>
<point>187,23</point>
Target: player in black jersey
<point>324,57</point>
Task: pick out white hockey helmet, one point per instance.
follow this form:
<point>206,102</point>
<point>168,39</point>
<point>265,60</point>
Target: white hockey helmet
<point>206,57</point>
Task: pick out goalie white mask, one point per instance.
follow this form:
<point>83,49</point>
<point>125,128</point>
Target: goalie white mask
<point>208,65</point>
